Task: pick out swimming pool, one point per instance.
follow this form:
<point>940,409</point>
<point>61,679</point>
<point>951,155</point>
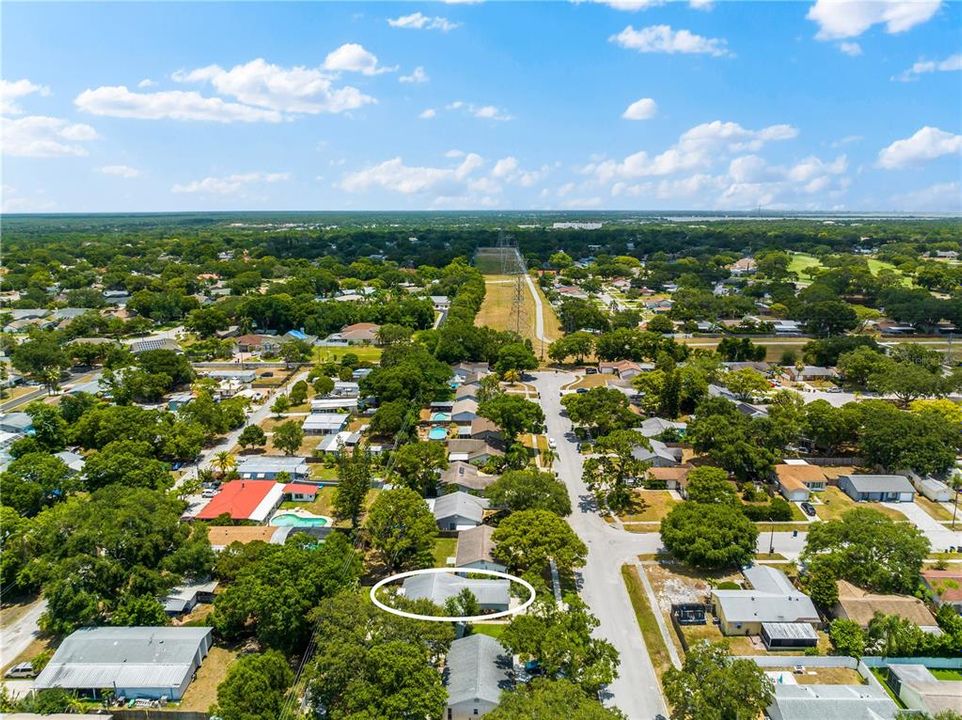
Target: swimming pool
<point>440,417</point>
<point>292,520</point>
<point>437,433</point>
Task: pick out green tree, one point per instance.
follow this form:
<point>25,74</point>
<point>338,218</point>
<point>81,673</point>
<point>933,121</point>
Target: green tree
<point>610,473</point>
<point>323,385</point>
<point>128,463</point>
<point>897,440</point>
<point>746,383</point>
<point>513,414</point>
<point>576,345</point>
<point>827,317</point>
<point>49,426</point>
<point>139,610</point>
<point>298,394</point>
<point>859,364</point>
<point>390,418</point>
<point>713,685</point>
<point>529,489</point>
<point>562,643</point>
<point>252,436</point>
<point>402,529</point>
<point>354,476</point>
<point>847,638</point>
<point>254,688</point>
<point>709,536</point>
<point>601,409</point>
<point>544,698</point>
<point>515,356</point>
<point>41,358</point>
<point>660,324</point>
<point>527,540</point>
<point>710,485</point>
<point>419,465</point>
<point>281,404</point>
<point>34,481</point>
<point>908,381</point>
<point>288,437</point>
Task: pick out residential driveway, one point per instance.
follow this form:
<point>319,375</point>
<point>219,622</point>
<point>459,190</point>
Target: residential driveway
<point>17,636</point>
<point>938,534</point>
<point>636,692</point>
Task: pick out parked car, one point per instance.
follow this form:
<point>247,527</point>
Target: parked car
<point>21,670</point>
<point>552,444</point>
<point>808,509</point>
<point>208,493</point>
<point>581,391</point>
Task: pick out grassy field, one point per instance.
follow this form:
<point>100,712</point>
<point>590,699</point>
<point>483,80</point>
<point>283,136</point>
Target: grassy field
<point>365,353</point>
<point>804,265</point>
<point>202,691</point>
<point>649,506</point>
<point>322,505</point>
<point>834,503</point>
<point>934,509</point>
<point>443,549</point>
<point>498,302</point>
<point>492,629</point>
<point>947,674</point>
<point>647,622</point>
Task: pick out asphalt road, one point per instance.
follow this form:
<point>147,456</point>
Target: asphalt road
<point>17,636</point>
<point>636,692</point>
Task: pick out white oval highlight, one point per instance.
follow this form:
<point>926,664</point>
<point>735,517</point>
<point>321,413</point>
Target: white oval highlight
<point>449,618</point>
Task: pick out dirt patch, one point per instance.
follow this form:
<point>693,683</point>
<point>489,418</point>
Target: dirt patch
<point>202,691</point>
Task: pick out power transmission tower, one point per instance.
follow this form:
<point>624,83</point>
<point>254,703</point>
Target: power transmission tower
<point>512,265</point>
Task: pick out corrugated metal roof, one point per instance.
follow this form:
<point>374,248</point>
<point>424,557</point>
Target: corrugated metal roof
<point>477,668</point>
<point>831,702</point>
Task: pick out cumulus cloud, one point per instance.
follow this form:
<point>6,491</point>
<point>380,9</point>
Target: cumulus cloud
<point>643,109</point>
<point>118,101</point>
<point>394,175</point>
<point>852,49</point>
<point>12,91</point>
<point>146,83</point>
<point>352,57</point>
<point>420,21</point>
<point>636,5</point>
<point>663,39</point>
<point>417,76</point>
<point>484,112</point>
<point>40,136</point>
<point>926,144</point>
<point>953,63</point>
<point>428,114</point>
<point>698,147</point>
<point>294,90</point>
<point>124,171</point>
<point>229,185</point>
<point>850,18</point>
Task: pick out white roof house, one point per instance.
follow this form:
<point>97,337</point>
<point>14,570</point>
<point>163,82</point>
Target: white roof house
<point>268,467</point>
<point>458,511</point>
<point>771,599</point>
<point>477,669</point>
<point>136,662</point>
<point>492,594</point>
<point>831,702</point>
<point>324,423</point>
<point>334,405</point>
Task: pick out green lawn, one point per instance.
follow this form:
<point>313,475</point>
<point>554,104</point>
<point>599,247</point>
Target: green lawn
<point>947,674</point>
<point>443,549</point>
<point>803,265</point>
<point>322,504</point>
<point>875,266</point>
<point>491,629</point>
<point>369,353</point>
<point>647,622</point>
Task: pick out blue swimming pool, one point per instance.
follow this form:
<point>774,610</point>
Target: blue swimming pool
<point>286,519</point>
<point>437,433</point>
<point>440,417</point>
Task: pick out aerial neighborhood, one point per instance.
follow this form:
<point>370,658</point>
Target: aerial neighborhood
<point>739,454</point>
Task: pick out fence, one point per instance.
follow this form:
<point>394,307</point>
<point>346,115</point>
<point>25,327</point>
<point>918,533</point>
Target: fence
<point>834,461</point>
<point>157,714</point>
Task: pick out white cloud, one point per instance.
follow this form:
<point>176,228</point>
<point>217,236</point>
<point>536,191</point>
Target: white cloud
<point>484,112</point>
<point>628,5</point>
<point>643,109</point>
<point>941,197</point>
<point>118,101</point>
<point>394,175</point>
<point>13,201</point>
<point>454,153</point>
<point>229,185</point>
<point>40,136</point>
<point>850,18</point>
<point>852,49</point>
<point>847,140</point>
<point>124,171</point>
<point>505,166</point>
<point>428,114</point>
<point>663,39</point>
<point>295,90</point>
<point>953,63</point>
<point>12,91</point>
<point>701,4</point>
<point>146,83</point>
<point>926,144</point>
<point>352,57</point>
<point>420,21</point>
<point>416,77</point>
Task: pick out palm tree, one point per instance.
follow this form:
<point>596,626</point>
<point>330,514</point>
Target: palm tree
<point>224,462</point>
<point>512,376</point>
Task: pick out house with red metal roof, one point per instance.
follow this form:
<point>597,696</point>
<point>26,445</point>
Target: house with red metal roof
<point>301,492</point>
<point>244,500</point>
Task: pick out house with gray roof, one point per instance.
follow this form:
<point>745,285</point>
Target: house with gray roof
<point>184,598</point>
<point>458,510</point>
<point>831,702</point>
<point>477,669</point>
<point>660,455</point>
<point>268,467</point>
<point>465,477</point>
<point>877,488</point>
<point>492,595</point>
<point>655,426</point>
<point>771,599</point>
<point>16,422</point>
<point>134,662</point>
<point>475,548</point>
<point>139,346</point>
<point>73,461</point>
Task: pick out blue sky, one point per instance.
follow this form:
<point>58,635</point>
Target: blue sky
<point>627,104</point>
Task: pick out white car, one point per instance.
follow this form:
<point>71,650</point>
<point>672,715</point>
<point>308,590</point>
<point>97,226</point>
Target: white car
<point>552,444</point>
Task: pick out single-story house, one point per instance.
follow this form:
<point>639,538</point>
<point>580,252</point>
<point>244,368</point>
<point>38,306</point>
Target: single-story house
<point>245,377</point>
<point>139,346</point>
<point>475,546</point>
<point>476,670</point>
<point>660,455</point>
<point>301,492</point>
<point>440,302</point>
<point>797,482</point>
<point>134,662</point>
<point>299,335</point>
<point>625,369</point>
<point>771,599</point>
<point>334,405</point>
<point>466,369</point>
<point>831,702</point>
<point>359,333</point>
<point>464,411</point>
<point>465,477</point>
<point>811,372</point>
<point>184,598</point>
<point>244,500</point>
<point>675,478</point>
<point>860,606</point>
<point>467,391</point>
<point>345,389</point>
<point>73,461</point>
<point>458,510</point>
<point>492,595</point>
<point>222,536</point>
<point>743,266</point>
<point>483,429</point>
<point>257,343</point>
<point>268,467</point>
<point>935,490</point>
<point>16,422</point>
<point>782,635</point>
<point>655,426</point>
<point>945,586</point>
<point>324,423</point>
<point>877,488</point>
<point>472,451</point>
<point>920,690</point>
<point>787,327</point>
